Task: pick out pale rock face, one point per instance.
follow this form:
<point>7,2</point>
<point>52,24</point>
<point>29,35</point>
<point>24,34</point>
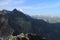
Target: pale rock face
<point>1,38</point>
<point>21,35</point>
<point>21,10</point>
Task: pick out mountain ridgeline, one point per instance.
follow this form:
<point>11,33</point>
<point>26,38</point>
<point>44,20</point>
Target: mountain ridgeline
<point>16,22</point>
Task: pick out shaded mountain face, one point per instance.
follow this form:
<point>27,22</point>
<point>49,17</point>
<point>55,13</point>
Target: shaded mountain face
<point>5,29</point>
<point>19,21</point>
<point>54,23</point>
<point>22,23</point>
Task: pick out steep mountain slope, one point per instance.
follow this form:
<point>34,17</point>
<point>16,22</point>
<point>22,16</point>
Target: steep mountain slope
<point>21,23</point>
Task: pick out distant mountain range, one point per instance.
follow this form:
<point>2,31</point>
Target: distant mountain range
<point>16,22</point>
<point>48,18</point>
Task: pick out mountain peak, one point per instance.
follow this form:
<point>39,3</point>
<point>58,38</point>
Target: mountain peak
<point>15,9</point>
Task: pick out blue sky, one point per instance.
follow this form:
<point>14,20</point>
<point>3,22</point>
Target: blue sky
<point>33,7</point>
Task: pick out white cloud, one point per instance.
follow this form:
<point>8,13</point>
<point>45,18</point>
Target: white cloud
<point>8,3</point>
<point>4,3</point>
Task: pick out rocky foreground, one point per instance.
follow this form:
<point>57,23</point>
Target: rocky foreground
<point>27,37</point>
